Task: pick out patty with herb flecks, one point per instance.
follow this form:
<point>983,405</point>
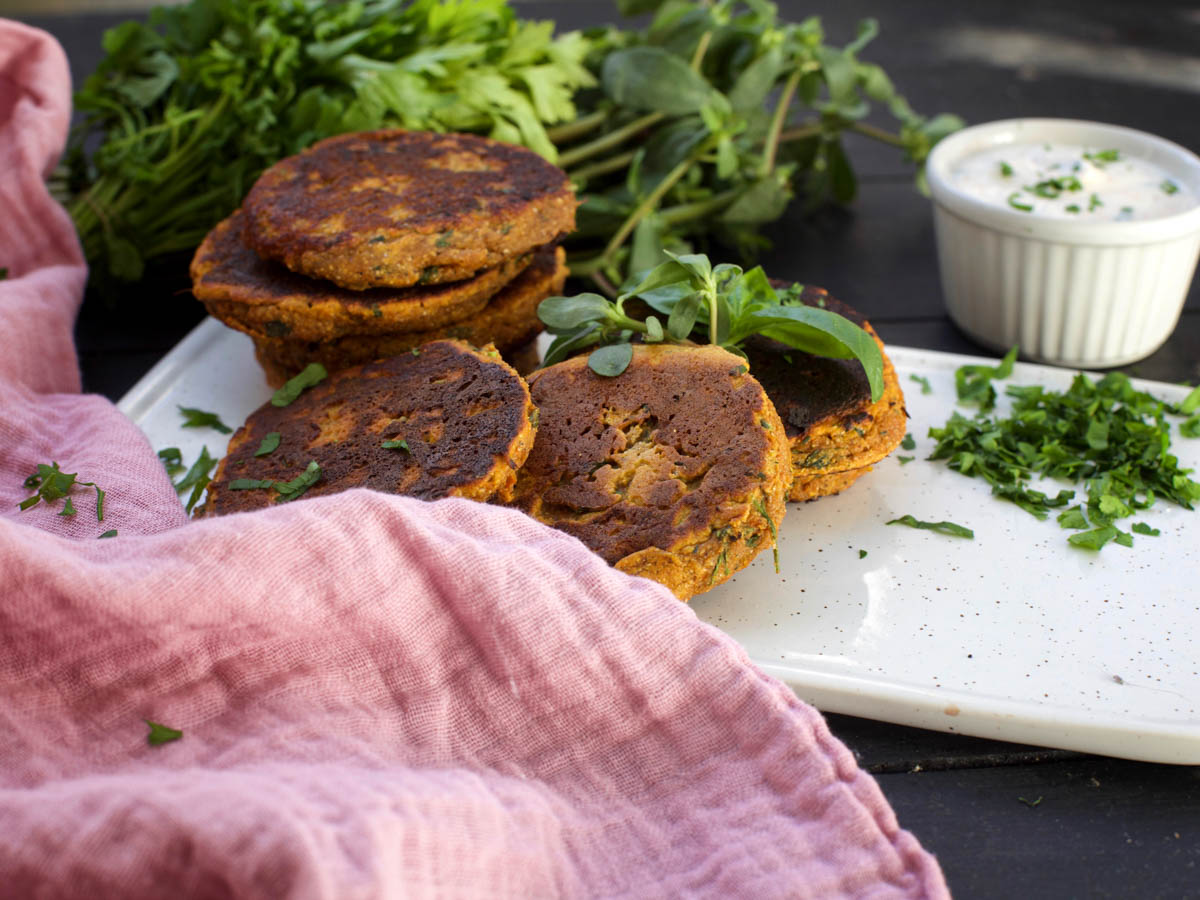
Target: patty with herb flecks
<point>446,420</point>
<point>509,321</point>
<point>676,469</point>
<point>398,208</point>
<point>265,299</point>
<point>836,432</point>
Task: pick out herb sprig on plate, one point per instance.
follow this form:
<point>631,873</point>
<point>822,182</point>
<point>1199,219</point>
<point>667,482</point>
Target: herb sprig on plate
<point>720,304</point>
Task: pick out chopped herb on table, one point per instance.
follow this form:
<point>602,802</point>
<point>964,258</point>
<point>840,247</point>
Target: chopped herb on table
<point>270,443</point>
<point>926,388</point>
<point>949,528</point>
<point>287,490</point>
<point>1105,436</point>
<point>197,477</point>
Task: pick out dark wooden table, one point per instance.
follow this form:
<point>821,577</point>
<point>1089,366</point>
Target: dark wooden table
<point>1005,821</point>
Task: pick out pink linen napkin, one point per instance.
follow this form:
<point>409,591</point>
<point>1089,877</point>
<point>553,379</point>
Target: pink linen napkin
<point>379,697</point>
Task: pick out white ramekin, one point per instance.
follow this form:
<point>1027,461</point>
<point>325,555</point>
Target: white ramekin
<point>1067,292</point>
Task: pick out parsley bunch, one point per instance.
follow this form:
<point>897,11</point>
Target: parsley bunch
<point>185,113</point>
<point>698,300</point>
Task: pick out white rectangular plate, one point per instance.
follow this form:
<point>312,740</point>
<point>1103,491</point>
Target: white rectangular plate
<point>1014,635</point>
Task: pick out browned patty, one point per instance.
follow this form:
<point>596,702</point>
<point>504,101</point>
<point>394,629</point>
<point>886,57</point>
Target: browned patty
<point>675,470</point>
<point>264,299</point>
<point>831,423</point>
<point>464,415</point>
<point>509,321</point>
<point>397,208</point>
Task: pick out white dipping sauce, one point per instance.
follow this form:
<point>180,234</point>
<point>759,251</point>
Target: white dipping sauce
<point>1066,181</point>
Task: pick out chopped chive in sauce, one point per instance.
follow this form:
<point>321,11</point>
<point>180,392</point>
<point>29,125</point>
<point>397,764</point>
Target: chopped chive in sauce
<point>1093,202</point>
<point>1005,169</point>
<point>1169,187</point>
<point>1101,157</point>
<point>1014,200</point>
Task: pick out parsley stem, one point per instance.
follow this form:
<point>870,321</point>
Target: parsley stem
<point>777,120</point>
<point>603,167</point>
<point>651,200</point>
<point>878,134</point>
<point>569,131</point>
<point>701,49</point>
<point>608,142</point>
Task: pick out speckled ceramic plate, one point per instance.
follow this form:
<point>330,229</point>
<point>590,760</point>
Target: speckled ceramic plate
<point>1014,635</point>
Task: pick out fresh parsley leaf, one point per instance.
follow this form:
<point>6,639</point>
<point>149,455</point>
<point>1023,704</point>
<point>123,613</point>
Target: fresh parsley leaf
<point>862,554</point>
<point>904,460</point>
<point>172,459</point>
<point>196,479</point>
<point>973,383</point>
<point>1073,518</point>
<point>51,483</point>
<point>1094,539</point>
<point>270,443</point>
<point>909,443</point>
<point>112,532</point>
<point>292,490</point>
<point>947,528</point>
<point>68,508</point>
<point>1191,403</point>
<point>314,373</point>
<point>199,418</point>
<point>250,484</point>
<point>1190,428</point>
<point>161,734</point>
<point>926,388</point>
<point>1143,528</point>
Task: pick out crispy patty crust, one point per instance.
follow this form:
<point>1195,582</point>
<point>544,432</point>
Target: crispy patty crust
<point>508,321</point>
<point>830,421</point>
<point>398,208</point>
<point>675,470</point>
<point>264,299</point>
<point>464,416</point>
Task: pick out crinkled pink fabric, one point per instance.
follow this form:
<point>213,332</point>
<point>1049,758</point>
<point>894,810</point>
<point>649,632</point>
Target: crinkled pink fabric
<point>379,697</point>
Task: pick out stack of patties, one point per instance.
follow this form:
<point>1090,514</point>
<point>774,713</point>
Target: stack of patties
<point>366,245</point>
<point>836,432</point>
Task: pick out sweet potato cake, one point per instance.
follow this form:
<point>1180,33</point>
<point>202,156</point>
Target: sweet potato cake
<point>444,421</point>
<point>836,433</point>
<point>509,321</point>
<point>398,208</point>
<point>264,299</point>
<point>675,470</point>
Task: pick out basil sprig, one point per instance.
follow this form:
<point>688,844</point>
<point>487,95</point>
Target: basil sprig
<point>698,301</point>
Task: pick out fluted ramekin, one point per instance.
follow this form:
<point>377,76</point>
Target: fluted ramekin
<point>1067,292</point>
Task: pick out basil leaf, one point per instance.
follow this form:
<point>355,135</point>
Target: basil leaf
<point>564,314</point>
<point>683,317</point>
<point>651,79</point>
<point>824,333</point>
<point>566,344</point>
<point>314,373</point>
<point>611,360</point>
<point>654,330</point>
<point>947,528</point>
